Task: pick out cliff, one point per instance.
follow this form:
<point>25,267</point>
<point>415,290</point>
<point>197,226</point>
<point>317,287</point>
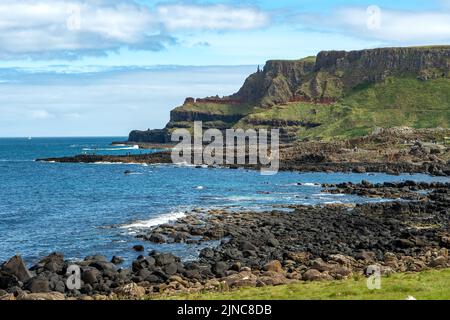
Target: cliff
<point>334,87</point>
<point>332,74</point>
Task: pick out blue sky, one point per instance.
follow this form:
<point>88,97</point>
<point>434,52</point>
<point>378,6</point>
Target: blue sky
<point>51,49</point>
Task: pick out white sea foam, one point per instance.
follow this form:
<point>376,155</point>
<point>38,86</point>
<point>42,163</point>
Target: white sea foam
<point>333,202</point>
<point>135,147</point>
<point>164,218</point>
<point>310,184</point>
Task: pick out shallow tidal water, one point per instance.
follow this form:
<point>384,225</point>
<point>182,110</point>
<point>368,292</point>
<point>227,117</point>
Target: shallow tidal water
<point>85,209</point>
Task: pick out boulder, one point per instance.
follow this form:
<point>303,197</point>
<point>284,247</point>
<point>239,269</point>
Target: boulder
<point>170,269</point>
<point>157,238</point>
<point>163,259</point>
<point>271,278</point>
<point>138,248</point>
<point>103,266</point>
<point>131,290</point>
<point>42,296</point>
<point>272,242</point>
<point>439,262</point>
<point>53,263</point>
<point>37,284</point>
<point>16,267</point>
<point>274,266</point>
<point>220,268</point>
<point>90,275</point>
<point>241,279</point>
<point>247,246</point>
<point>117,260</point>
<point>7,281</point>
<point>315,275</point>
<point>320,265</point>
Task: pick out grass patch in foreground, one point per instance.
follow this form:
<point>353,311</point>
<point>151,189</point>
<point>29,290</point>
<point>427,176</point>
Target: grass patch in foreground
<point>427,285</point>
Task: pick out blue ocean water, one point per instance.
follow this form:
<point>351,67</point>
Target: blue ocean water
<point>85,209</point>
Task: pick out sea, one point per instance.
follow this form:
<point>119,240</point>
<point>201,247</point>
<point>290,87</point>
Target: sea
<point>87,209</point>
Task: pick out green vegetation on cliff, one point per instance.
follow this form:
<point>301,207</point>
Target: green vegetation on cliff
<point>394,102</point>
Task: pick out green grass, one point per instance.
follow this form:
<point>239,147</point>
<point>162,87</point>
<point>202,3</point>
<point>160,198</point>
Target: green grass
<point>395,102</point>
<point>217,108</point>
<point>427,285</point>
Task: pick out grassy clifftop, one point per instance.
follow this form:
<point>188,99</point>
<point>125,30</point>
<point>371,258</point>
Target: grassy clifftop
<point>397,101</point>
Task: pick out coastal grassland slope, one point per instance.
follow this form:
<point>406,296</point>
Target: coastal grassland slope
<point>395,102</point>
<point>426,285</point>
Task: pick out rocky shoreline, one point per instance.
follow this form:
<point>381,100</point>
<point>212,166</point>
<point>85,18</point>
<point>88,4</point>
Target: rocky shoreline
<point>393,151</point>
<point>307,243</point>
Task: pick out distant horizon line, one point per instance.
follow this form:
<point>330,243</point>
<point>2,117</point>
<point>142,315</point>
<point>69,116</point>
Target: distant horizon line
<point>52,137</point>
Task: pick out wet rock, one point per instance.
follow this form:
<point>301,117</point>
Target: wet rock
<point>207,253</point>
<point>90,275</point>
<point>143,263</point>
<point>138,248</point>
<point>170,269</point>
<point>165,259</point>
<point>157,238</point>
<point>104,266</point>
<point>7,281</point>
<point>247,246</point>
<point>53,263</point>
<point>220,268</point>
<point>16,267</point>
<point>117,260</point>
<point>37,284</point>
<point>359,169</point>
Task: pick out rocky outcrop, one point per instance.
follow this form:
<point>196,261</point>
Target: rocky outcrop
<point>276,83</point>
<point>156,136</point>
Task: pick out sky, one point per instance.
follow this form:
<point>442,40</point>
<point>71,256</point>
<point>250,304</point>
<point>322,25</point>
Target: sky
<point>98,67</point>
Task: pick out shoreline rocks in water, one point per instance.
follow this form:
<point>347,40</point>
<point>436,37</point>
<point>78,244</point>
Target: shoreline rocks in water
<point>393,151</point>
<point>310,243</point>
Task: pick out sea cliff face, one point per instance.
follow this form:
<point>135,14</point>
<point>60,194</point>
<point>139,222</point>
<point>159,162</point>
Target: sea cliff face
<point>326,79</point>
<point>331,74</point>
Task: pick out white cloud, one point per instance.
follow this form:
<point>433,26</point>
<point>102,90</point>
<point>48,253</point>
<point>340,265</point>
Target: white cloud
<point>211,17</point>
<point>392,26</point>
<point>41,114</point>
<point>73,28</point>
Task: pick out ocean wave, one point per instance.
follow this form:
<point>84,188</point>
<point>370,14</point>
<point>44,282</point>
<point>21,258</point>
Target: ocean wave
<point>135,147</point>
<point>310,184</point>
<point>116,163</point>
<point>145,224</point>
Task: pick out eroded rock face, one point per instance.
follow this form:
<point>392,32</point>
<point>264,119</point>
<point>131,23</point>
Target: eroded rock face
<point>331,73</point>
